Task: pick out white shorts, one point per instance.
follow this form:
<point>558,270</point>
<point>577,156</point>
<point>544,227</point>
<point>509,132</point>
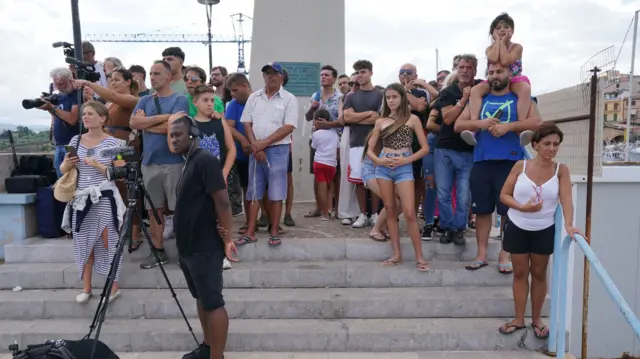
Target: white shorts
<point>354,172</point>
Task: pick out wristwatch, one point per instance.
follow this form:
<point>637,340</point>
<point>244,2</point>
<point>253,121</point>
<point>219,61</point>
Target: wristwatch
<point>52,111</point>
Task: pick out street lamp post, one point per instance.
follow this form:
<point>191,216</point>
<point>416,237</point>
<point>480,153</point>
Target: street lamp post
<point>209,4</point>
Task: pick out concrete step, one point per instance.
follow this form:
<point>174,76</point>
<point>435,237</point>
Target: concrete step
<point>338,274</point>
<point>305,355</point>
<point>334,303</point>
<point>283,335</point>
<point>39,250</point>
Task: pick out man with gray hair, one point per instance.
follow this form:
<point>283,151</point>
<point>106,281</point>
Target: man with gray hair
<point>64,115</point>
<point>453,158</point>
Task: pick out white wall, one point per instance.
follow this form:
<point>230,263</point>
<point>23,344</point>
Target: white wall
<point>298,31</point>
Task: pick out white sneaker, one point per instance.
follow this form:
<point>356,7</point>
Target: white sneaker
<point>373,219</point>
<point>115,296</point>
<point>226,264</point>
<point>346,221</point>
<point>469,137</point>
<point>83,298</point>
<point>361,221</point>
<point>525,137</point>
<point>168,227</point>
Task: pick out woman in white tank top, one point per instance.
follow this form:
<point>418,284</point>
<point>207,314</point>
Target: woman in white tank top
<point>532,192</point>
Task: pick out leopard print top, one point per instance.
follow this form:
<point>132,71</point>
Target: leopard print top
<point>402,138</point>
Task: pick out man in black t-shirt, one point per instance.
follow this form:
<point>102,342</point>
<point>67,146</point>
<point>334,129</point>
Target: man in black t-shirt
<point>202,210</point>
<point>453,157</point>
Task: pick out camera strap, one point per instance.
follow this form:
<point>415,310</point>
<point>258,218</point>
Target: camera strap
<point>157,102</point>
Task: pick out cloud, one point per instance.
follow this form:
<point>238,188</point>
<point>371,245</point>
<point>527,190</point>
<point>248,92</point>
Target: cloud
<point>558,37</point>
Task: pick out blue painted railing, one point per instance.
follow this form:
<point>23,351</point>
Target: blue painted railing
<point>559,285</point>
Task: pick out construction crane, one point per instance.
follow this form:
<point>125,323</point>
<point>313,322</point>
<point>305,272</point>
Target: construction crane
<point>238,39</point>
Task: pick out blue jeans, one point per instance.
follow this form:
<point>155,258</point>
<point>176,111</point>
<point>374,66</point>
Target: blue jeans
<point>453,167</point>
<point>58,157</point>
<point>269,176</point>
<point>430,194</point>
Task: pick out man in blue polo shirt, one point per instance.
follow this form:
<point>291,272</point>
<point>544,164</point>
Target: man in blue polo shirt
<point>240,89</point>
<point>498,149</point>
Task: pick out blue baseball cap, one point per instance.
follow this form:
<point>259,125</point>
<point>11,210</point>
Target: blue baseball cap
<point>274,65</point>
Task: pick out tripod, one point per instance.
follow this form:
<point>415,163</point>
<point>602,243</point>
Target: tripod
<point>135,187</point>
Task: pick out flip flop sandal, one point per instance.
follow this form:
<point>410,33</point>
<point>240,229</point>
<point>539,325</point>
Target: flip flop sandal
<point>280,230</point>
<point>135,244</point>
<point>506,330</point>
<point>378,237</point>
<point>505,268</point>
<point>389,263</point>
<point>243,229</point>
<point>274,241</point>
<point>422,267</point>
<point>476,265</point>
<point>244,240</point>
<point>537,328</point>
<point>313,214</point>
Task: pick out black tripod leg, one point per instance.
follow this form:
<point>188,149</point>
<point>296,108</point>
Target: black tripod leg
<point>101,311</point>
<point>145,231</point>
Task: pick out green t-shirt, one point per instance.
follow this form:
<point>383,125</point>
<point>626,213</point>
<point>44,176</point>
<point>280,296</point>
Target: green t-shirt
<point>218,105</point>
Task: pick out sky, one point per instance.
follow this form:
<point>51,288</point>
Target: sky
<point>558,37</point>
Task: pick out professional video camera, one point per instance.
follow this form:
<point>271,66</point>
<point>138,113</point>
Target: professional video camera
<point>53,98</point>
<point>84,71</point>
<point>128,172</point>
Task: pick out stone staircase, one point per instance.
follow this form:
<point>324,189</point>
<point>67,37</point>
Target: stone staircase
<point>309,295</point>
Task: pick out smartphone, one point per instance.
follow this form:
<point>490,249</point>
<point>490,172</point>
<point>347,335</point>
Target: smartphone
<point>498,114</point>
<point>71,150</point>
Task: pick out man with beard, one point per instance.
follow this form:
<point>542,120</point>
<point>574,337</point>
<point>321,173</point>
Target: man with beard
<point>217,78</point>
<point>498,149</point>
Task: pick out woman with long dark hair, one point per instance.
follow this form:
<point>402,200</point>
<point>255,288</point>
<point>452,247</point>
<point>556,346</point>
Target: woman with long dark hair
<point>394,170</point>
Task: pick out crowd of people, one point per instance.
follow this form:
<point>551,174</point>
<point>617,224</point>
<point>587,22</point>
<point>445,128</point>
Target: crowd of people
<point>450,149</point>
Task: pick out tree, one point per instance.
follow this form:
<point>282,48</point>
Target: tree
<point>24,131</point>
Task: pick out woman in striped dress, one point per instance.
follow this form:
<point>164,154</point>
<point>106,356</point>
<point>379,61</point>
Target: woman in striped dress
<point>96,212</point>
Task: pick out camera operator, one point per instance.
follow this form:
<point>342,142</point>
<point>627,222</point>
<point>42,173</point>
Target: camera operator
<point>89,57</point>
<point>121,98</point>
<point>65,115</point>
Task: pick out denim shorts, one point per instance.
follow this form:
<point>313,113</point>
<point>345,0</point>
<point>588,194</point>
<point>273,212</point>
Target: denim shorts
<point>368,170</point>
<point>398,174</point>
<point>272,173</point>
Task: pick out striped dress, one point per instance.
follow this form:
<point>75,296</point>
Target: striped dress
<point>99,217</point>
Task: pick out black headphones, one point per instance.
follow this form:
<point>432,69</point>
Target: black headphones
<point>194,131</point>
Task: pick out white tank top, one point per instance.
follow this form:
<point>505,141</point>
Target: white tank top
<point>548,193</point>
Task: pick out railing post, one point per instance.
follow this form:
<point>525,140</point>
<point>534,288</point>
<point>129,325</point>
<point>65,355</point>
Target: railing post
<point>561,334</point>
<point>555,284</point>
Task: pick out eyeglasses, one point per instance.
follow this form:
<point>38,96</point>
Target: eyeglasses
<point>192,79</point>
<point>406,72</point>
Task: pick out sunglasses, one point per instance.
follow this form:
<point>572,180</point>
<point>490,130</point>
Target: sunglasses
<point>192,79</point>
<point>405,72</point>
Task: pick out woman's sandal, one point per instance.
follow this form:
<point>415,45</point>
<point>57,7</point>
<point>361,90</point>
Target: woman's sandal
<point>505,268</point>
<point>422,266</point>
<point>476,265</point>
<point>506,328</point>
<point>378,237</point>
<point>135,244</point>
<point>245,240</point>
<point>390,263</point>
<point>313,214</point>
<point>275,241</point>
<point>243,229</point>
<point>280,230</point>
<point>537,328</point>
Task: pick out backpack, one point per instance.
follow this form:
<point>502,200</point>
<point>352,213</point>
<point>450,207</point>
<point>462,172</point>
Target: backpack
<point>66,349</point>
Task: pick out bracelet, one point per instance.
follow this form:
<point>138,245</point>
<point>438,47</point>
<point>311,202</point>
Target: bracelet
<point>52,111</point>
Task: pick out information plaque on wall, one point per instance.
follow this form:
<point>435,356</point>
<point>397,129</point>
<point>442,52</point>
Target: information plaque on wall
<point>304,77</point>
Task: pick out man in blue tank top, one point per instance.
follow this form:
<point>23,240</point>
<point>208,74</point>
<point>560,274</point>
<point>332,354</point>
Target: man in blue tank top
<point>497,150</point>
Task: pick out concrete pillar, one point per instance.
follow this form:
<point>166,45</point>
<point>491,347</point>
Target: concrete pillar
<point>311,33</point>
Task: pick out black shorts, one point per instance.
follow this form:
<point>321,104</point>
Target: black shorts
<point>486,181</point>
<point>520,241</point>
<point>243,172</point>
<point>203,273</point>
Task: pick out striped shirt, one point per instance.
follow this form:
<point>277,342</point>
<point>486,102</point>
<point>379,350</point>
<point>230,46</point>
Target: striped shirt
<point>267,115</point>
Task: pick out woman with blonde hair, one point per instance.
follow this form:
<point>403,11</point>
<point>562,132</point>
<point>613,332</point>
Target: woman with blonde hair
<point>96,212</point>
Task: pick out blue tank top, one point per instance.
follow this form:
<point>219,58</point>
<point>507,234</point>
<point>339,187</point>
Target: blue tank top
<point>507,147</point>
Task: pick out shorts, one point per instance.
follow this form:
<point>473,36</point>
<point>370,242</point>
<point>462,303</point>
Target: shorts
<point>368,170</point>
<point>273,172</point>
<point>354,172</point>
<point>160,182</point>
<point>398,174</point>
<point>520,241</point>
<point>203,273</point>
<point>486,181</point>
<point>323,173</point>
<point>242,166</point>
